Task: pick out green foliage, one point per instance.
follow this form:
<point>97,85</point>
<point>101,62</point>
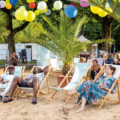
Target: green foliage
<point>2,62</point>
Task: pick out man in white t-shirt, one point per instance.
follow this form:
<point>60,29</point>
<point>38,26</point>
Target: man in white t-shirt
<point>31,81</point>
<point>6,81</point>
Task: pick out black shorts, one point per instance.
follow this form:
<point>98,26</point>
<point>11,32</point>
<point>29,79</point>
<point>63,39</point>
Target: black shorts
<point>14,64</point>
<point>24,84</point>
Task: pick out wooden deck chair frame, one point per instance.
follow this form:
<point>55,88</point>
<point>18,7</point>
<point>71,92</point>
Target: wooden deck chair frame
<point>1,71</point>
<point>66,77</point>
<point>39,91</point>
<point>106,97</point>
<point>53,68</point>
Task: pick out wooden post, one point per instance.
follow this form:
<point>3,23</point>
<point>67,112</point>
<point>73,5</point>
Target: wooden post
<point>118,89</point>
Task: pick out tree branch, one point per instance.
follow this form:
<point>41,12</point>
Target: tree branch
<point>20,28</point>
<point>97,17</point>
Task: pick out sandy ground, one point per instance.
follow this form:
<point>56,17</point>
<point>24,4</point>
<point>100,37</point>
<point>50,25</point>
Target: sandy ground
<point>22,109</point>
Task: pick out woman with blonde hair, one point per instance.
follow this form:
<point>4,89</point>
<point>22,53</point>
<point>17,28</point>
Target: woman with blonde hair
<point>117,59</point>
<point>91,58</point>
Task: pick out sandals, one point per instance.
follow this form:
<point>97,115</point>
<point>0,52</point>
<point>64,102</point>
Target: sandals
<point>34,101</point>
<point>7,100</point>
<point>65,111</point>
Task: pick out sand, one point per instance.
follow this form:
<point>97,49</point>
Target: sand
<point>22,109</point>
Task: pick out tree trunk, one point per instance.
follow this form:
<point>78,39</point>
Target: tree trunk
<point>11,45</point>
<point>106,34</point>
<point>65,70</point>
<point>106,30</point>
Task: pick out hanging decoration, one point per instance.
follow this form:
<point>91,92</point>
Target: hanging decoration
<point>43,11</point>
<point>3,4</point>
<point>32,5</point>
<point>13,2</point>
<point>37,12</point>
<point>70,11</point>
<point>7,1</point>
<point>42,5</point>
<point>8,6</point>
<point>74,4</point>
<point>30,16</point>
<point>57,5</point>
<point>29,1</point>
<point>48,12</point>
<point>84,4</point>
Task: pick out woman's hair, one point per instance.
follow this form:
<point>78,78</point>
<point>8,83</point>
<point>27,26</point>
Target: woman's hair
<point>116,55</point>
<point>104,57</point>
<point>112,68</point>
<point>82,59</point>
<point>109,56</point>
<point>90,55</point>
<point>95,61</point>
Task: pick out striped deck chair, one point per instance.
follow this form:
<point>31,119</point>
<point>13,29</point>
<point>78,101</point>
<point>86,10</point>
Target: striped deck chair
<point>78,78</point>
<point>117,76</point>
<point>19,70</point>
<point>30,90</point>
<point>55,64</point>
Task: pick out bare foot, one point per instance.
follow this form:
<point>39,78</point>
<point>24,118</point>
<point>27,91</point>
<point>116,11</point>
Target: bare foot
<point>80,110</point>
<point>70,93</point>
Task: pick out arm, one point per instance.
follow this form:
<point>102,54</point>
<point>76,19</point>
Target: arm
<point>1,78</point>
<point>11,57</point>
<point>16,58</point>
<point>46,70</point>
<point>105,89</point>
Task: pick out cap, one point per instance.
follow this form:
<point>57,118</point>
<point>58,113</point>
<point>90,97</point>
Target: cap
<point>11,67</point>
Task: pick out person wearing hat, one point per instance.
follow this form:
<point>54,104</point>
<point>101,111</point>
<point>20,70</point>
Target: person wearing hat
<point>6,81</point>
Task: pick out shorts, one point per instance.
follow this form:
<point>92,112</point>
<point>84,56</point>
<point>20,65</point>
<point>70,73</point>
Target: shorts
<point>14,64</point>
<point>24,84</point>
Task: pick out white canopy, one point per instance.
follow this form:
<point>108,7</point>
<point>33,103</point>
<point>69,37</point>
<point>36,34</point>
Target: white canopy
<point>83,39</point>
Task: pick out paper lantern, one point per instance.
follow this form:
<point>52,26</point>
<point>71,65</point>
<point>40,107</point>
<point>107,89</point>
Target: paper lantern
<point>30,16</point>
<point>53,9</point>
<point>110,10</point>
<point>57,5</point>
<point>3,4</point>
<point>115,0</point>
<point>42,5</point>
<point>13,2</point>
<point>8,6</point>
<point>29,1</point>
<point>21,14</point>
<point>48,12</point>
<point>70,11</point>
<point>45,0</point>
<point>95,9</point>
<point>102,13</point>
<point>74,4</point>
<point>22,7</point>
<point>7,1</point>
<point>37,12</point>
<point>32,5</point>
<point>84,4</point>
<point>43,11</point>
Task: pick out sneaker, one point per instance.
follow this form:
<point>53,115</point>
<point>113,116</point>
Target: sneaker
<point>0,98</point>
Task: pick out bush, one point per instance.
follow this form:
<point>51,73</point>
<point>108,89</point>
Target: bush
<point>2,62</point>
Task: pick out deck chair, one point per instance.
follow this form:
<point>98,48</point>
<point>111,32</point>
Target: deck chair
<point>55,64</point>
<point>76,60</point>
<point>100,61</point>
<point>78,78</point>
<point>117,76</point>
<point>30,90</point>
<point>1,71</point>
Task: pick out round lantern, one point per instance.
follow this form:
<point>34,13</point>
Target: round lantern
<point>53,9</point>
<point>42,5</point>
<point>48,12</point>
<point>37,12</point>
<point>32,5</point>
<point>95,9</point>
<point>21,14</point>
<point>74,4</point>
<point>3,4</point>
<point>84,4</point>
<point>13,2</point>
<point>57,5</point>
<point>23,7</point>
<point>7,1</point>
<point>43,11</point>
<point>102,13</point>
<point>45,0</point>
<point>70,11</point>
<point>31,16</point>
<point>8,6</point>
<point>29,1</point>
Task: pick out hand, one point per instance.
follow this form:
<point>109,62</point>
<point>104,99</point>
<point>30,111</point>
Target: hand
<point>28,84</point>
<point>7,81</point>
<point>100,85</point>
<point>3,82</point>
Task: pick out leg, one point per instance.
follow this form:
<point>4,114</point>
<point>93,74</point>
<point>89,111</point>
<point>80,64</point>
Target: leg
<point>71,93</point>
<point>16,81</point>
<point>92,74</point>
<point>35,86</point>
<point>82,105</point>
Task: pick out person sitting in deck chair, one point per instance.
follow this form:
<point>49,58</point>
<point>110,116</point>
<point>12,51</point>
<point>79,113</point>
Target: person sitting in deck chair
<point>6,81</point>
<point>31,81</point>
<point>90,91</point>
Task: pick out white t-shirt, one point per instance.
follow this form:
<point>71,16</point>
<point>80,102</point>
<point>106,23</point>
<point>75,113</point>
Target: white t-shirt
<point>40,76</point>
<point>7,76</point>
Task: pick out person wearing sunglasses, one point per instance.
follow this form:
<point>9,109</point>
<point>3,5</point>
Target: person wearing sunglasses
<point>6,81</point>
